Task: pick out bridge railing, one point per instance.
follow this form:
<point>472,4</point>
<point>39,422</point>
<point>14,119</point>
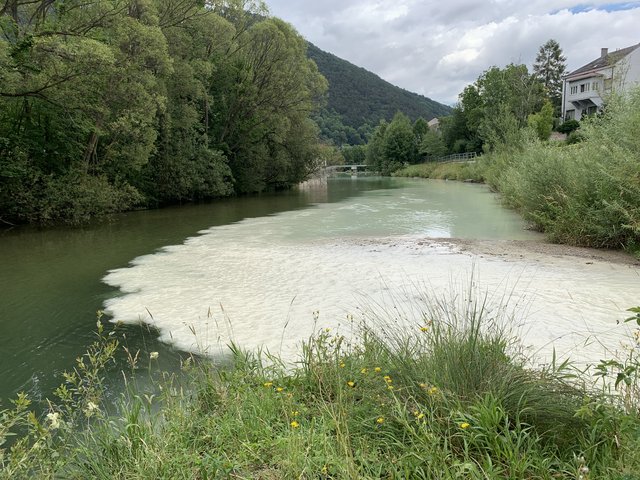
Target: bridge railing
<point>456,157</point>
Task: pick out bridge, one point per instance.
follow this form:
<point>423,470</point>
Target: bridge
<point>354,169</point>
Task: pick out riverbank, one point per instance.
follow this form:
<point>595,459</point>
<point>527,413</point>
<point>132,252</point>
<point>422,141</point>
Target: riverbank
<point>448,397</point>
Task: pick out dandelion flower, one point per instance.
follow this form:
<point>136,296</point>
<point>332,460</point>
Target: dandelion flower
<point>294,424</point>
<point>380,420</point>
<point>387,379</point>
<point>267,384</point>
<point>423,385</point>
<point>279,389</point>
<point>420,416</point>
<point>54,419</point>
<point>433,390</point>
<point>389,387</point>
<point>154,355</point>
<point>364,371</point>
<point>377,369</point>
<point>352,384</point>
<point>342,365</point>
<point>464,425</point>
<point>424,329</point>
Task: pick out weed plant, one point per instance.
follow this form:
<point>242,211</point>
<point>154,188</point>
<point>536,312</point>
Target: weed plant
<point>447,396</point>
<point>586,194</point>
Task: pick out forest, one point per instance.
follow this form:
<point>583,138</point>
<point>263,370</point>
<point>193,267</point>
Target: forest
<point>110,105</point>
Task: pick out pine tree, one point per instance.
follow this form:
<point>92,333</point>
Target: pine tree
<point>549,68</point>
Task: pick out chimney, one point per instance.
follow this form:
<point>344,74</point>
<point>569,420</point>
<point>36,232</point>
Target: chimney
<point>604,52</point>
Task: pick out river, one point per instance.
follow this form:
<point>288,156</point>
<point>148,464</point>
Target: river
<point>267,271</point>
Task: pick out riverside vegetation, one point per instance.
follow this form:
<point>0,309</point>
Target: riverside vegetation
<point>449,395</point>
<point>585,193</point>
<point>109,105</point>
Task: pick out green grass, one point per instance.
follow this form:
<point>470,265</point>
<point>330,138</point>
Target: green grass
<point>448,396</point>
<point>443,171</point>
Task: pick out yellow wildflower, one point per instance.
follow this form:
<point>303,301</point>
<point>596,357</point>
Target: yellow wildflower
<point>324,470</point>
<point>389,387</point>
<point>342,365</point>
<point>279,389</point>
<point>433,390</point>
<point>364,371</point>
<point>380,420</point>
<point>294,424</point>
<point>420,416</point>
<point>387,379</point>
<point>351,383</point>
<point>268,384</point>
<point>377,369</point>
<point>423,385</point>
<point>295,414</point>
<point>464,425</point>
<point>424,329</point>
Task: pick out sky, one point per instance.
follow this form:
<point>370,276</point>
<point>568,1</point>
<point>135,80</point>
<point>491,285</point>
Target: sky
<point>436,48</point>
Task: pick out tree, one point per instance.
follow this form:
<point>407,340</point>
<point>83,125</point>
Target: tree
<point>542,122</point>
<point>399,144</point>
<point>549,68</point>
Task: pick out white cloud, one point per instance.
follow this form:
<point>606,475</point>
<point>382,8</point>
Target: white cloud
<point>436,48</point>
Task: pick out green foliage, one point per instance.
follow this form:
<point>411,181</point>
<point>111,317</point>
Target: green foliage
<point>462,171</point>
<point>431,145</point>
<point>493,110</point>
<point>446,395</point>
<point>548,68</point>
<point>109,105</point>
<point>569,126</point>
<point>354,155</point>
<point>585,194</point>
<point>542,122</point>
<point>357,98</point>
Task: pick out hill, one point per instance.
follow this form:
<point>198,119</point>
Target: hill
<point>358,99</point>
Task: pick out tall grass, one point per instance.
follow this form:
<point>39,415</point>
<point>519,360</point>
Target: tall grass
<point>447,396</point>
<point>587,194</point>
<point>443,171</point>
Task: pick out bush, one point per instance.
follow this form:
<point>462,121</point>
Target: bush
<point>569,126</point>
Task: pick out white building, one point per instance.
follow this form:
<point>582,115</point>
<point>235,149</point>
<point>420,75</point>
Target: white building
<point>585,89</point>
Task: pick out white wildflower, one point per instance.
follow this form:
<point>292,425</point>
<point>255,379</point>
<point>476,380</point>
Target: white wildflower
<point>54,419</point>
<point>154,355</point>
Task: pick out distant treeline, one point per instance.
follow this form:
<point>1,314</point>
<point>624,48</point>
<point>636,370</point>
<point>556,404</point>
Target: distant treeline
<point>106,105</point>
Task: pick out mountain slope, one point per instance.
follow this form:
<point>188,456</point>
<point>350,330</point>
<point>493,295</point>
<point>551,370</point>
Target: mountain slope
<point>360,97</point>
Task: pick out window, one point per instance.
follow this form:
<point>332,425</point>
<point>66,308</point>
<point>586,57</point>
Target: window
<point>595,86</point>
<point>570,115</point>
<point>608,83</point>
<point>584,87</point>
<point>574,90</point>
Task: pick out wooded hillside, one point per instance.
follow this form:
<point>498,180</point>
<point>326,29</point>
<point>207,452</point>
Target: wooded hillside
<point>359,99</point>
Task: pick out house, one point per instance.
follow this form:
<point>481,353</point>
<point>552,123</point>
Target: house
<point>434,124</point>
<point>585,89</point>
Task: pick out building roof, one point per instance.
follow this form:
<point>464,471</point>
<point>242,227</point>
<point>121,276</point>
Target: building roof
<point>605,61</point>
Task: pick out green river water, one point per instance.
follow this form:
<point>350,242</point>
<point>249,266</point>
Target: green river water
<point>52,280</point>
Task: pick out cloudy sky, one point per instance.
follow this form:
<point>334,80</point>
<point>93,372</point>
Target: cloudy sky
<point>436,48</point>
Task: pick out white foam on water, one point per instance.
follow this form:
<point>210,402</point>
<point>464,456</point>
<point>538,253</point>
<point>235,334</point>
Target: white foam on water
<point>271,282</point>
